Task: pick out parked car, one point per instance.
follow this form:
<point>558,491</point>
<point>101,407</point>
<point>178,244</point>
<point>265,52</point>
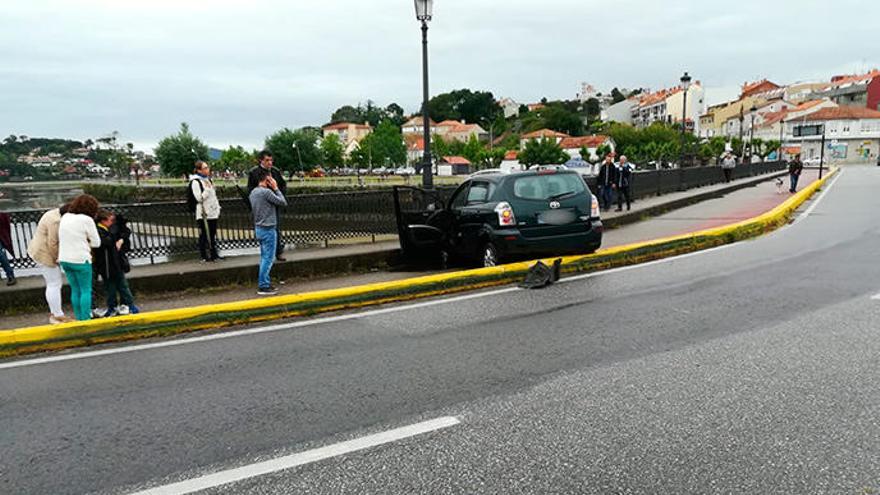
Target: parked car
<point>812,162</point>
<point>492,219</point>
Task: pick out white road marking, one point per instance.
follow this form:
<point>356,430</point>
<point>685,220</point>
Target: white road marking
<point>818,200</point>
<point>367,314</point>
<point>290,461</point>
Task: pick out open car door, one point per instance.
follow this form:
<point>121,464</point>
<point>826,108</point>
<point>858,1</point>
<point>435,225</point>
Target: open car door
<point>422,223</point>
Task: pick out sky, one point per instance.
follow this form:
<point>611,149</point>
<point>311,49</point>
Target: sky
<point>238,70</point>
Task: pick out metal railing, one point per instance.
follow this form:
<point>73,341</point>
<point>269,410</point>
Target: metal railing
<point>162,230</point>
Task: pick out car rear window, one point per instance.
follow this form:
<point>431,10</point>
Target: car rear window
<point>544,187</point>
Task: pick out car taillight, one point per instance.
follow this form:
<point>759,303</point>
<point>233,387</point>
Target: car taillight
<point>594,208</point>
<point>505,214</point>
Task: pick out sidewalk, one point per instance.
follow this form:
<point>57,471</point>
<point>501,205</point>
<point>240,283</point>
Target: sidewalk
<point>190,283</point>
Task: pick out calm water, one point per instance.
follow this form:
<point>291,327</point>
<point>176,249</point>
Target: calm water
<point>36,196</point>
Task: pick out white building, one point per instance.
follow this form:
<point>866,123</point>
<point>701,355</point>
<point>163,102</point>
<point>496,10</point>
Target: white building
<point>852,134</point>
<point>667,105</point>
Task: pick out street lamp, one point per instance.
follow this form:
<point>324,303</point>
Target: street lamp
<point>299,156</point>
<point>424,11</point>
<point>685,84</point>
<point>752,112</point>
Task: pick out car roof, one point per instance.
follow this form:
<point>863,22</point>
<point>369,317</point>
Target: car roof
<point>501,176</point>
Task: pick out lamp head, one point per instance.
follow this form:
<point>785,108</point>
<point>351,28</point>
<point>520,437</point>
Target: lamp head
<point>424,9</point>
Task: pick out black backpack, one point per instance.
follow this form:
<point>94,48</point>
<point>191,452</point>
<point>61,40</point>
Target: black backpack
<point>191,201</point>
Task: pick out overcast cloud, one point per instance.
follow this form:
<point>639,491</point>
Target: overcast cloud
<point>237,70</point>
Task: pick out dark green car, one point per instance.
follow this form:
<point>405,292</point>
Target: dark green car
<point>492,219</point>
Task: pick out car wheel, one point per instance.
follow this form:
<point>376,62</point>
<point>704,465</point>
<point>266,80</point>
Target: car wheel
<point>490,255</point>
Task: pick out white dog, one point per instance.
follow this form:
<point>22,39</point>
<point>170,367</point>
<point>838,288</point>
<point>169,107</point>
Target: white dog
<point>779,184</point>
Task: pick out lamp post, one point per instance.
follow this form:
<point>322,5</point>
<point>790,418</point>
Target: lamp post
<point>752,112</point>
<point>299,156</point>
<point>424,9</point>
<point>685,84</point>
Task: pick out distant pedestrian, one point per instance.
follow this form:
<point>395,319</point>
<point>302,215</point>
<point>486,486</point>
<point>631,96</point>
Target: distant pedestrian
<point>43,249</point>
<point>77,235</point>
<point>6,245</point>
<point>267,163</point>
<point>795,167</point>
<point>110,265</point>
<point>623,182</point>
<point>265,199</point>
<point>207,210</point>
<point>728,163</point>
<point>605,181</point>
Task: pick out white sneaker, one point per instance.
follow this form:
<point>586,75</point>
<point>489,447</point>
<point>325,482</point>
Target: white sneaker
<point>122,310</point>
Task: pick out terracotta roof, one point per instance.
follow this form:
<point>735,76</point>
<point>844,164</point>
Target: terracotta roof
<point>416,144</point>
<point>544,133</point>
<point>456,160</point>
<point>771,118</point>
<point>857,78</point>
<point>748,88</point>
<point>511,155</point>
<point>657,96</point>
<point>418,121</point>
<point>448,123</point>
<point>791,150</point>
<point>843,113</point>
<point>583,141</point>
<point>807,105</point>
<point>345,125</point>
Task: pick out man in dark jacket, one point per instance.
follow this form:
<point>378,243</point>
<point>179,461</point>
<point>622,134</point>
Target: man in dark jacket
<point>266,163</point>
<point>110,265</point>
<point>795,167</point>
<point>606,180</point>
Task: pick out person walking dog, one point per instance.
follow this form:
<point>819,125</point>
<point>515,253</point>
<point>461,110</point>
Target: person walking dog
<point>795,167</point>
<point>265,199</point>
<point>207,210</point>
<point>267,163</point>
<point>77,235</point>
<point>43,249</point>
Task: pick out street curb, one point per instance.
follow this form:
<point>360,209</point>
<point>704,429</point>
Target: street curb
<point>220,275</point>
<point>175,321</point>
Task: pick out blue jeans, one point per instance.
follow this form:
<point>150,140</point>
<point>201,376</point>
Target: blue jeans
<point>4,261</point>
<point>268,238</point>
<point>794,180</point>
<point>606,196</point>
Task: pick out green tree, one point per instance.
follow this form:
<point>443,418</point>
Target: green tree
<point>543,152</point>
<point>472,149</point>
<point>490,158</point>
<point>295,150</point>
<point>560,119</point>
<point>617,96</point>
<point>236,159</point>
<point>177,154</point>
<point>477,107</point>
<point>603,150</point>
<point>384,147</point>
<point>333,151</point>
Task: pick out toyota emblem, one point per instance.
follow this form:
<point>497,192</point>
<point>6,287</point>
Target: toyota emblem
<point>554,204</point>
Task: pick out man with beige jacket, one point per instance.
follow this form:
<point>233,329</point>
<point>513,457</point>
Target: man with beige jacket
<point>43,249</point>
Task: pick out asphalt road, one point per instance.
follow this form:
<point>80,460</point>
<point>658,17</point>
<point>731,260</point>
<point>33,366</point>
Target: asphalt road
<point>747,369</point>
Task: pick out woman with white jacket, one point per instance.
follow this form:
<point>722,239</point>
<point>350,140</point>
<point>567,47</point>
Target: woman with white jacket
<point>77,235</point>
<point>43,249</point>
<point>207,211</point>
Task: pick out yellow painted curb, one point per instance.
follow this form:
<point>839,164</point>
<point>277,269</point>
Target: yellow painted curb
<point>50,337</point>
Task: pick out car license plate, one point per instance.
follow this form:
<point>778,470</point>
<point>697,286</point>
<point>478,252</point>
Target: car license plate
<point>556,217</point>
